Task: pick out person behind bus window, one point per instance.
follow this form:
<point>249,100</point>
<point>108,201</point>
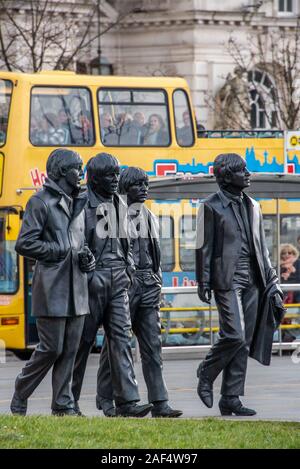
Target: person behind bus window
<point>7,266</point>
<point>155,133</point>
<point>108,129</point>
<point>137,127</point>
<point>64,122</point>
<point>290,270</point>
<point>49,131</point>
<point>34,129</point>
<point>40,136</point>
<point>185,133</point>
<point>56,134</point>
<point>81,129</point>
<point>132,129</point>
<point>289,264</point>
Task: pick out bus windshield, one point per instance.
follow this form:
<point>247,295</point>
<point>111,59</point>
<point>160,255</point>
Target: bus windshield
<point>8,258</point>
<point>5,99</point>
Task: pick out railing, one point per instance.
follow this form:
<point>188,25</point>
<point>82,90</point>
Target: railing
<point>201,133</point>
<point>207,319</point>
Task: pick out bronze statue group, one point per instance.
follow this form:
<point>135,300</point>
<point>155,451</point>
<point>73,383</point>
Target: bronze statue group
<point>98,264</point>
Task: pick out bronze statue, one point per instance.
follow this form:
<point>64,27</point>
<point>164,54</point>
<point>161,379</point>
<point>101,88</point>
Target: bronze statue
<point>52,233</point>
<point>144,296</point>
<point>232,260</point>
<point>108,239</point>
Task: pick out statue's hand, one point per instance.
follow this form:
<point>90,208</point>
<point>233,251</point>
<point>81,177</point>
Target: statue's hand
<point>87,262</point>
<point>278,302</point>
<point>204,293</point>
<point>90,267</point>
<point>280,309</point>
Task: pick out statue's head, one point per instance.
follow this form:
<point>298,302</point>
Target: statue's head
<point>65,166</point>
<point>103,173</point>
<point>134,182</point>
<point>230,171</point>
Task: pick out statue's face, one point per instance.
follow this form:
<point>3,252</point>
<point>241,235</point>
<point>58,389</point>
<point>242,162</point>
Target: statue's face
<point>240,179</point>
<point>107,184</point>
<point>74,173</point>
<point>138,192</point>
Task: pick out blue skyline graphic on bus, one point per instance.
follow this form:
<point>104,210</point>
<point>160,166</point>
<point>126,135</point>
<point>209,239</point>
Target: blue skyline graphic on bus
<point>253,164</point>
<point>295,162</point>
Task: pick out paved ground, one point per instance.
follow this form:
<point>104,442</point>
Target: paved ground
<point>273,391</point>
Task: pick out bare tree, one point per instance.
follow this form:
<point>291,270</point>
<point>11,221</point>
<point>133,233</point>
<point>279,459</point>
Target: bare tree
<point>270,62</point>
<point>37,34</point>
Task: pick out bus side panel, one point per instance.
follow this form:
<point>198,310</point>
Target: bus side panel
<point>13,336</point>
<point>264,155</point>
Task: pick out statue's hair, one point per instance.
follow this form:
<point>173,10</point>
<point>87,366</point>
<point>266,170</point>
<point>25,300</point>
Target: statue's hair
<point>227,163</point>
<point>61,158</point>
<point>100,165</point>
<point>130,176</point>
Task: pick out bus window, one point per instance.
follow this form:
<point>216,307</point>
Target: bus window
<point>290,230</point>
<point>270,228</point>
<point>8,258</point>
<point>5,99</point>
<point>290,237</point>
<point>166,232</point>
<point>187,242</point>
<point>183,119</point>
<point>61,116</point>
<point>133,117</point>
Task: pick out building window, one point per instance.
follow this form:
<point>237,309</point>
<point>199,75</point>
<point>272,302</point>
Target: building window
<point>286,6</point>
<point>101,66</point>
<point>262,100</point>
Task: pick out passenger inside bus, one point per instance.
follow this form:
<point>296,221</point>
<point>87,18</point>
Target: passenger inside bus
<point>185,133</point>
<point>108,129</point>
<point>131,128</point>
<point>80,127</point>
<point>61,117</point>
<point>155,133</point>
<point>8,262</point>
<point>132,117</point>
<point>50,132</point>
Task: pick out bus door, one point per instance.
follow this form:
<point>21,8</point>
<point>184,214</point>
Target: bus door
<point>31,330</point>
<point>11,305</point>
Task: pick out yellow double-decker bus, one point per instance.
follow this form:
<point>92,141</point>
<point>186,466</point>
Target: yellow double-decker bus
<point>145,122</point>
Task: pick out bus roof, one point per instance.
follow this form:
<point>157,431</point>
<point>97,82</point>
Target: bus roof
<point>71,78</point>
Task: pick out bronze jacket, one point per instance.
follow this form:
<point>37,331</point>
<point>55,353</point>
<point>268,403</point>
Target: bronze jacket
<point>219,242</point>
<point>52,236</point>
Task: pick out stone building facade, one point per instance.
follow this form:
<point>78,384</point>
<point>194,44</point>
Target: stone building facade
<point>188,38</point>
<point>184,38</point>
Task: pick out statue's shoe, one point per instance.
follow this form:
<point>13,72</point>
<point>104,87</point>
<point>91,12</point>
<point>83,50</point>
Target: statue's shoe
<point>133,410</point>
<point>163,410</point>
<point>106,405</point>
<point>205,388</point>
<point>229,406</point>
<point>18,406</point>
